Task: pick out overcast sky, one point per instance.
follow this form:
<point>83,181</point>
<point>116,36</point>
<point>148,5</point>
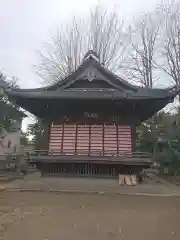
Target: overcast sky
<point>25,25</point>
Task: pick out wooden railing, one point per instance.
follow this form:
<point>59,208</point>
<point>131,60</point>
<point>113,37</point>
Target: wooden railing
<point>141,155</point>
<point>96,163</point>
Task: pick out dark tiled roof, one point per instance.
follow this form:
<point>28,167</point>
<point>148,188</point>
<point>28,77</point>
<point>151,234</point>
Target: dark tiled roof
<point>142,93</point>
<point>122,89</point>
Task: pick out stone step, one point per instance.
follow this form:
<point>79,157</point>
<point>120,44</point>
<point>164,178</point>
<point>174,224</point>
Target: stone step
<point>8,176</point>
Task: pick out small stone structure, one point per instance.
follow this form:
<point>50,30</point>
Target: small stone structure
<point>11,159</point>
<point>10,141</point>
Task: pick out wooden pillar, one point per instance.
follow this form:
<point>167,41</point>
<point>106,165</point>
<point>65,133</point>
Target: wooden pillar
<point>44,143</point>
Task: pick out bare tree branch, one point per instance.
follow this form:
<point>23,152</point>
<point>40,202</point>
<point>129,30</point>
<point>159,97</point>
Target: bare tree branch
<point>102,32</point>
<point>144,37</point>
<point>171,41</point>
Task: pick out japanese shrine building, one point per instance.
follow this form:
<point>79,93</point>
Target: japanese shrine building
<point>90,120</point>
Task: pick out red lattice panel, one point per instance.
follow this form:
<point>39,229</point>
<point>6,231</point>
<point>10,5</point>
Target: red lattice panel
<point>83,139</point>
<point>55,141</point>
<point>69,139</point>
<point>96,139</point>
<point>124,138</point>
<point>110,140</point>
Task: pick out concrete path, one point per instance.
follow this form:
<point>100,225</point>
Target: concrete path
<point>34,182</point>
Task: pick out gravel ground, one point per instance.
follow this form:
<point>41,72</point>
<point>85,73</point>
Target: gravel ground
<point>50,216</point>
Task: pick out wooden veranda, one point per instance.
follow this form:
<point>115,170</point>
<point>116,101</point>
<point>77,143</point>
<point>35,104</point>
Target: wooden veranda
<point>95,164</point>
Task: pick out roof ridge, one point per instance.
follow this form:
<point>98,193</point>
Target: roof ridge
<point>91,54</point>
